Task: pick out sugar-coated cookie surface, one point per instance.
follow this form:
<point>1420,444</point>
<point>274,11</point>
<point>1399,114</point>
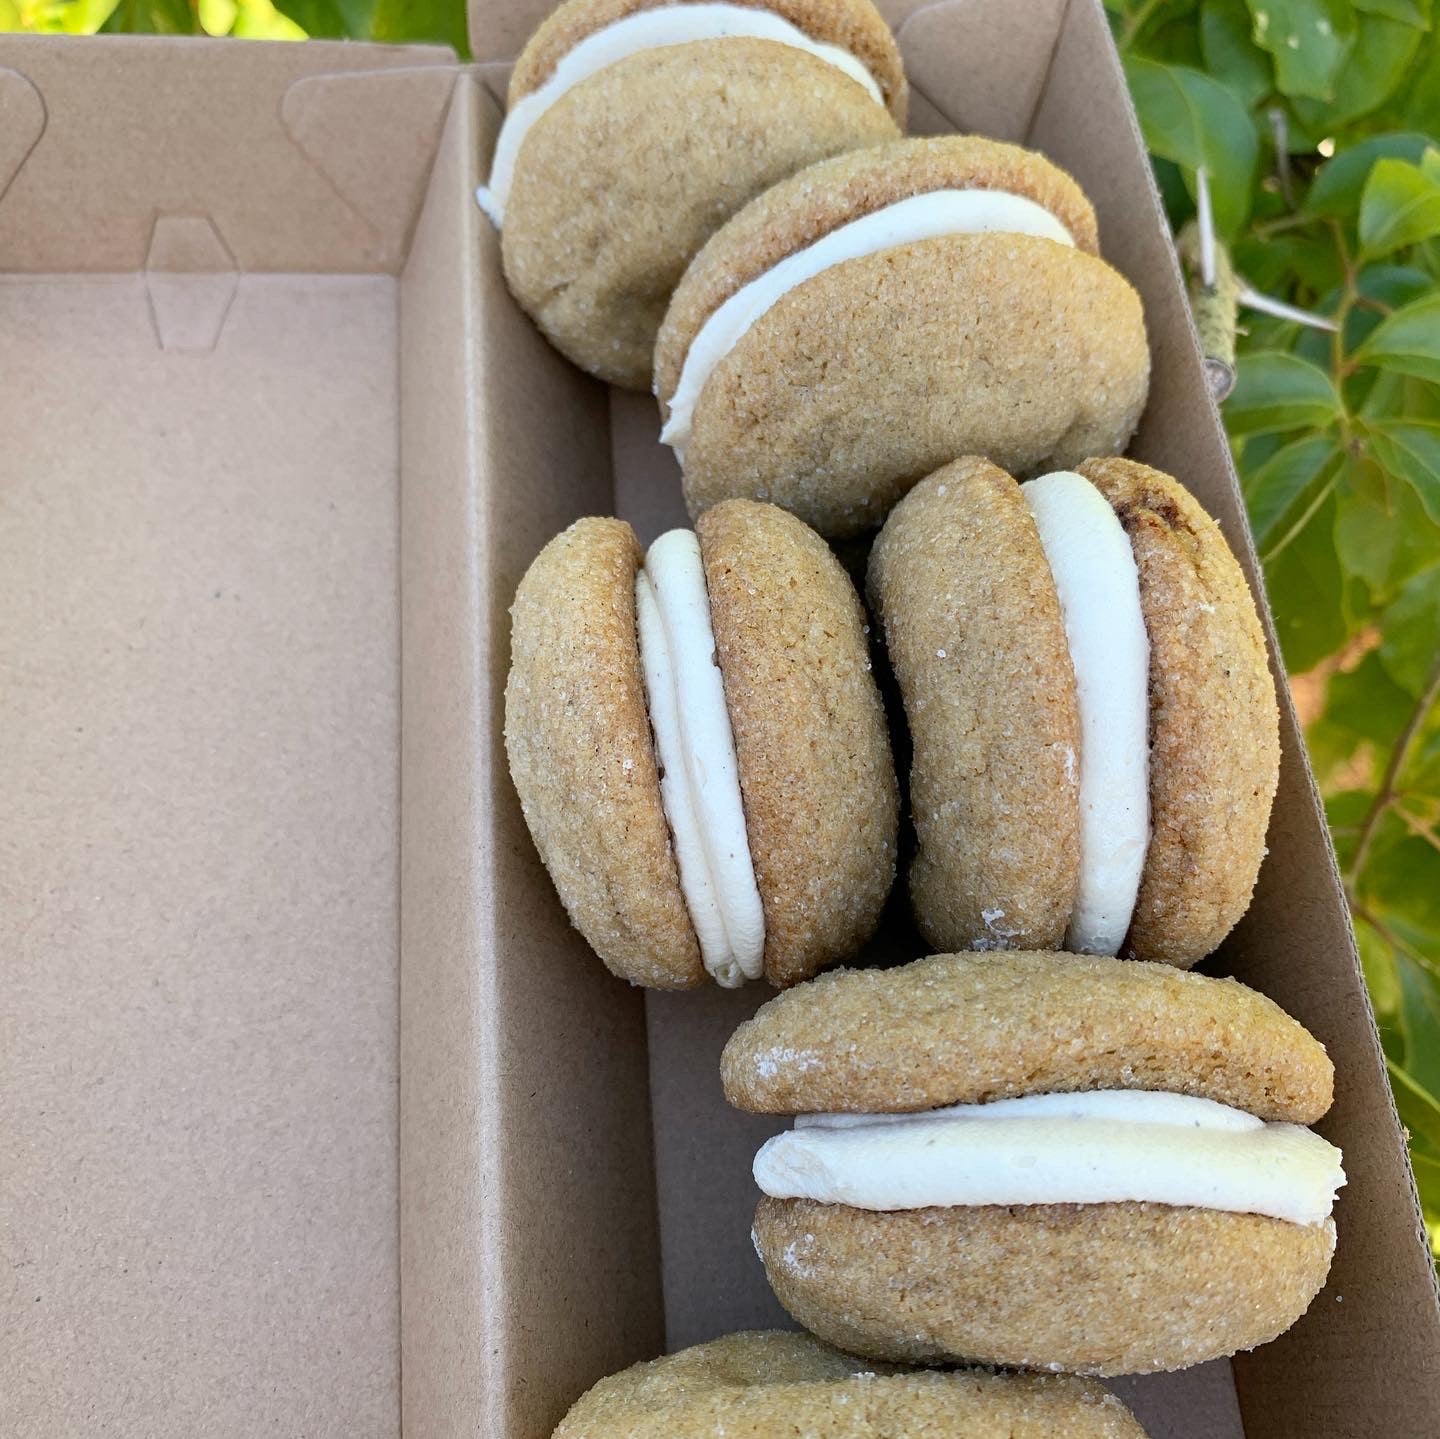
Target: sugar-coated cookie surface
<point>1214,722</point>
<point>971,621</point>
<point>867,377</point>
<point>621,178</point>
<point>782,667</point>
<point>578,739</point>
<point>1094,1289</point>
<point>973,625</point>
<point>627,175</point>
<point>798,211</point>
<point>968,1028</point>
<point>853,25</point>
<point>821,803</point>
<point>768,1384</point>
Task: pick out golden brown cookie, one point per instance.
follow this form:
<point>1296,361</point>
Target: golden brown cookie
<point>798,211</point>
<point>964,596</point>
<point>1097,1285</point>
<point>1214,723</point>
<point>853,26</point>
<point>578,740</point>
<point>1091,1288</point>
<point>765,1384</point>
<point>866,376</point>
<point>814,766</point>
<point>623,178</point>
<point>970,1028</point>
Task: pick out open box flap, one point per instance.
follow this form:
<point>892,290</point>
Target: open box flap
<point>200,625</point>
<point>282,148</point>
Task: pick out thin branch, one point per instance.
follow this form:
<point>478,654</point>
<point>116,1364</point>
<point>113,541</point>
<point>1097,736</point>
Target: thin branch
<point>1385,796</point>
<point>1254,299</point>
<point>1280,137</point>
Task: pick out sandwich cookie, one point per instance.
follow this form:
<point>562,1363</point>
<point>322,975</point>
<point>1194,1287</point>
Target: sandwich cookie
<point>884,311</point>
<point>1096,737</point>
<point>699,747</point>
<point>636,127</point>
<point>1041,1160</point>
<point>769,1382</point>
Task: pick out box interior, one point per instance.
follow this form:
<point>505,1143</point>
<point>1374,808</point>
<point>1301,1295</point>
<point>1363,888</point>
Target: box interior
<point>200,623</point>
<point>309,1080</point>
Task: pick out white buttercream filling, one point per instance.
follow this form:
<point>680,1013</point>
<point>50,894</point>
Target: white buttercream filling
<point>1099,1147</point>
<point>647,30</point>
<point>920,217</point>
<point>700,779</point>
<point>1099,588</point>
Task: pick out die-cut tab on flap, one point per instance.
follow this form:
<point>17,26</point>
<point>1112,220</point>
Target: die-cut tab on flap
<point>190,278</point>
<point>22,122</point>
<point>383,181</point>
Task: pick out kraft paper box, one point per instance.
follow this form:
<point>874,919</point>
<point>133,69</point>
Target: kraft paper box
<point>316,1118</point>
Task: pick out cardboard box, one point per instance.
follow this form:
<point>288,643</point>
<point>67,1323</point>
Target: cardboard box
<point>305,1082</point>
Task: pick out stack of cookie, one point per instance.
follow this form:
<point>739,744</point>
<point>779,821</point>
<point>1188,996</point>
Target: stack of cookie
<point>1045,1147</point>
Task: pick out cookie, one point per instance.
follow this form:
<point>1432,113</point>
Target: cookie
<point>636,127</point>
<point>883,311</point>
<point>1039,1160</point>
<point>699,747</point>
<point>758,1384</point>
<point>1095,731</point>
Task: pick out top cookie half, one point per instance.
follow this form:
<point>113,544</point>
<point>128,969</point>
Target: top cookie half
<point>853,25</point>
<point>757,1384</point>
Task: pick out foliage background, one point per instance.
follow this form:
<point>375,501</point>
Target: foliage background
<point>1318,122</point>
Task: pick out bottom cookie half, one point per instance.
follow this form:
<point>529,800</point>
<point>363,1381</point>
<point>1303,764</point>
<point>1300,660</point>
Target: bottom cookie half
<point>1091,1289</point>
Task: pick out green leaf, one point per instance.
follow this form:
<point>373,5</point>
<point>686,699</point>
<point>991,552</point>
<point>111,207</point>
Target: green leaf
<point>440,22</point>
<point>1305,585</point>
<point>1373,72</point>
<point>217,17</point>
<point>1421,105</point>
<point>1419,1109</point>
<point>1410,626</point>
<point>1408,340</point>
<point>1412,452</point>
<point>1410,12</point>
<point>1386,539</point>
<point>331,19</point>
<point>1278,485</point>
<point>1367,704</point>
<point>1400,206</point>
<point>153,17</point>
<point>1382,974</point>
<point>1175,38</point>
<point>1338,183</point>
<point>1374,69</point>
<point>1280,391</point>
<point>1307,39</point>
<point>1194,120</point>
<point>1403,887</point>
<point>1228,50</point>
<point>260,20</point>
<point>1420,1023</point>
